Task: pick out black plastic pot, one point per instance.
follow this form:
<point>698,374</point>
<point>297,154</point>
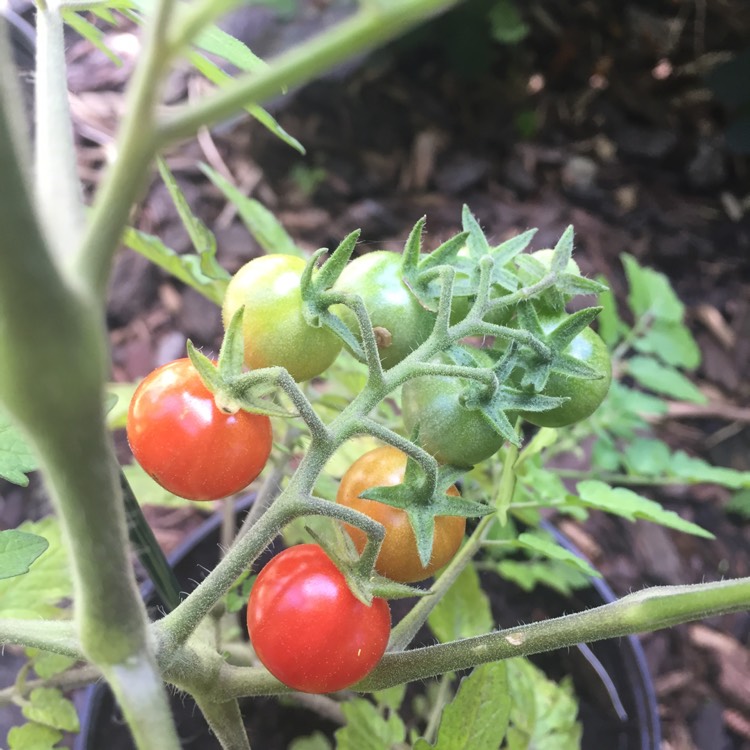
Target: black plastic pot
<point>618,706</point>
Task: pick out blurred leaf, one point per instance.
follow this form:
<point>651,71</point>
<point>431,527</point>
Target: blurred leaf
<point>611,327</point>
<point>694,470</point>
<point>651,292</point>
<point>366,729</point>
<point>547,547</point>
<point>739,504</point>
<point>46,664</point>
<point>91,33</point>
<point>149,492</point>
<point>316,741</point>
<point>18,550</point>
<point>543,714</point>
<point>663,379</point>
<point>528,574</point>
<point>624,502</point>
<point>463,612</point>
<point>647,457</point>
<point>189,268</point>
<point>478,715</point>
<point>33,737</point>
<point>506,24</point>
<point>117,416</point>
<point>672,343</point>
<point>260,222</point>
<point>49,581</point>
<point>16,458</point>
<point>391,697</point>
<point>48,706</point>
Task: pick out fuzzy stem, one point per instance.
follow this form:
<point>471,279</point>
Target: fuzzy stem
<point>225,720</point>
<point>57,636</point>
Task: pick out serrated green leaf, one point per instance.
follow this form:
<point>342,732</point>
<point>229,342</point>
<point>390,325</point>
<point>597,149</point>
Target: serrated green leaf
<point>528,574</point>
<point>663,379</point>
<point>16,457</point>
<point>477,718</point>
<point>260,222</point>
<point>367,729</point>
<point>621,501</point>
<point>186,268</point>
<point>35,594</point>
<point>46,664</point>
<point>647,457</point>
<point>33,737</point>
<point>693,470</point>
<point>548,548</point>
<point>463,612</point>
<point>316,741</point>
<point>543,713</point>
<point>18,550</point>
<point>651,293</point>
<point>670,342</point>
<point>48,706</point>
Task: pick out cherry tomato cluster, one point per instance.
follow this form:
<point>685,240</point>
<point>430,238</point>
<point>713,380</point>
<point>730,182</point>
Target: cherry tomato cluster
<point>305,624</point>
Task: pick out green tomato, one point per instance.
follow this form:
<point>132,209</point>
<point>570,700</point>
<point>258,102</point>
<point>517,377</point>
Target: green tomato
<point>584,395</point>
<point>400,321</point>
<point>448,430</point>
<point>273,325</point>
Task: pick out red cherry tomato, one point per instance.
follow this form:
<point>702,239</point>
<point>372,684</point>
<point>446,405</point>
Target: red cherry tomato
<point>191,448</point>
<point>307,627</point>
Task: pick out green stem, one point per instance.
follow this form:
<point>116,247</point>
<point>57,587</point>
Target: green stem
<point>58,189</point>
<point>57,636</point>
<point>364,31</point>
<point>225,720</point>
<point>136,147</point>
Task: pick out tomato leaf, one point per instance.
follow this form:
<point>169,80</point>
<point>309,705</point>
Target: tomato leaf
<point>624,502</point>
<point>478,715</point>
<point>651,293</point>
<point>367,729</point>
<point>528,574</point>
<point>33,736</point>
<point>48,706</point>
<point>672,343</point>
<point>47,664</point>
<point>18,550</point>
<point>16,457</point>
<point>663,379</point>
<point>49,581</point>
<point>316,741</point>
<point>611,327</point>
<point>464,611</point>
<point>547,547</point>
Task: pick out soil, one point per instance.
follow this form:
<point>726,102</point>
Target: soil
<point>601,117</point>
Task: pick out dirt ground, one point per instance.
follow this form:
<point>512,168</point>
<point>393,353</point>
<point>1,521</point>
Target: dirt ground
<point>601,117</point>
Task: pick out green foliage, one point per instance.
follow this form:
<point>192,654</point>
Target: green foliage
<point>47,664</point>
<point>18,550</point>
<point>16,457</point>
<point>33,736</point>
<point>464,611</point>
<point>477,717</point>
<point>49,707</point>
<point>148,492</point>
<point>36,594</point>
<point>367,729</point>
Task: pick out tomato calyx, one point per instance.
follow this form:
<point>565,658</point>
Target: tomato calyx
<point>557,339</point>
<point>234,389</point>
<point>423,500</point>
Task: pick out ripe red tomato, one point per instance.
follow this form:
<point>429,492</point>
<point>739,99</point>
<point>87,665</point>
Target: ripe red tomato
<point>398,558</point>
<point>273,325</point>
<point>307,627</point>
<point>179,436</point>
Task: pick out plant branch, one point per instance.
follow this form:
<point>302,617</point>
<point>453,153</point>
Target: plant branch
<point>57,636</point>
<point>363,32</point>
<point>225,720</point>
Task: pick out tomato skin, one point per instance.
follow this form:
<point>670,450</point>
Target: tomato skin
<point>585,395</point>
<point>307,627</point>
<point>448,430</point>
<point>398,558</point>
<point>179,436</point>
<point>273,324</point>
<point>376,277</point>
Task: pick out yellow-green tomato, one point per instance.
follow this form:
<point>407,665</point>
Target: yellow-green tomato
<point>273,325</point>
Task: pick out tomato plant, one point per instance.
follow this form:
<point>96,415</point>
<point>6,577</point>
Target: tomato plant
<point>398,558</point>
<point>448,430</point>
<point>400,321</point>
<point>307,627</point>
<point>584,395</point>
<point>190,447</point>
<point>273,325</point>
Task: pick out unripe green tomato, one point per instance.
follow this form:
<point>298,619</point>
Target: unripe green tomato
<point>448,430</point>
<point>273,325</point>
<point>400,321</point>
<point>585,395</point>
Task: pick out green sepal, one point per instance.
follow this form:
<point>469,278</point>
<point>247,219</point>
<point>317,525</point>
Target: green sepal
<point>388,589</point>
<point>232,353</point>
<point>563,251</point>
<point>207,370</point>
<point>421,506</point>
